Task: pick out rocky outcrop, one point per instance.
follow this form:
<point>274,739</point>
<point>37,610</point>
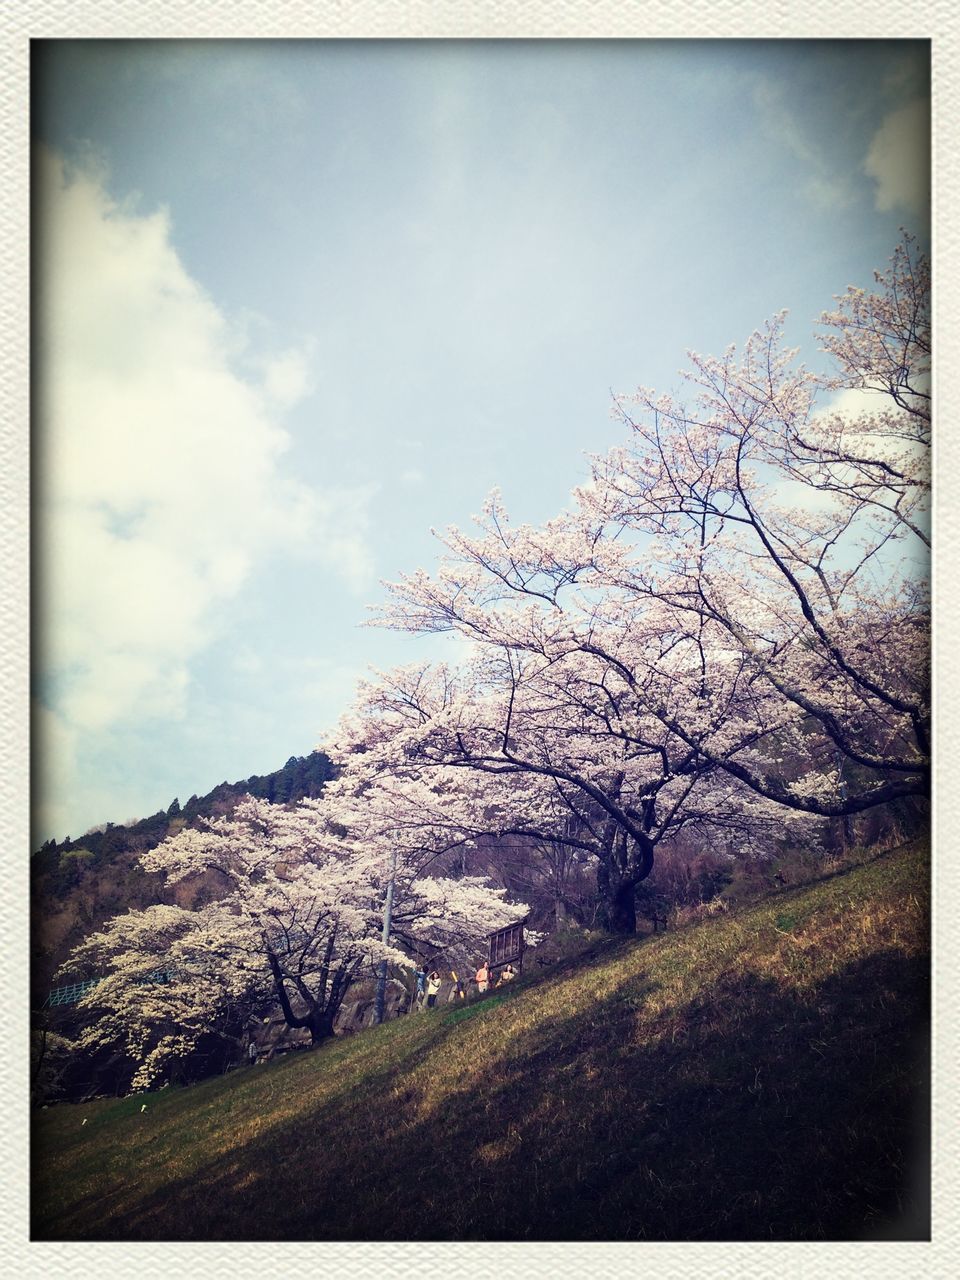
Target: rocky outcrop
<point>357,1015</point>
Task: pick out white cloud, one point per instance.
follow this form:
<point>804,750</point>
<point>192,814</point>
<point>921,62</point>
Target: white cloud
<point>898,159</point>
<point>161,472</point>
<point>287,377</point>
<point>826,186</point>
<point>853,402</point>
<point>56,743</point>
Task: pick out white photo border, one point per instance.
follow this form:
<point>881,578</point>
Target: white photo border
<point>21,22</point>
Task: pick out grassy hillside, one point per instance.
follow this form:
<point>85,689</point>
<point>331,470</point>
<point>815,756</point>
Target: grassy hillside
<point>761,1075</point>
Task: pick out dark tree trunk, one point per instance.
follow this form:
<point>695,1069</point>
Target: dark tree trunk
<point>319,1022</point>
<point>321,1026</point>
<point>623,866</point>
<point>619,911</point>
<point>322,1003</point>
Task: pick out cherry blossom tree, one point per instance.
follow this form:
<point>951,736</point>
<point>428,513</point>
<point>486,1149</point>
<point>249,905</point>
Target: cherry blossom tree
<point>797,536</point>
<point>744,566</point>
<point>881,343</point>
<point>735,606</point>
<point>555,752</point>
<point>297,919</point>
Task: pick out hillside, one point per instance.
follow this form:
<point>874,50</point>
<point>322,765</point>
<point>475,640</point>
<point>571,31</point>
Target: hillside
<point>78,884</point>
<point>760,1075</point>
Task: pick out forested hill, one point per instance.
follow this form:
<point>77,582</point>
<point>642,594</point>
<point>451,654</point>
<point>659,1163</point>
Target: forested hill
<point>301,776</point>
<point>78,884</point>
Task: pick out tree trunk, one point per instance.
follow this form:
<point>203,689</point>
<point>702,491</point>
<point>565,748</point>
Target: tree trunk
<point>617,879</point>
<point>619,909</point>
<point>319,1022</point>
<point>321,1026</point>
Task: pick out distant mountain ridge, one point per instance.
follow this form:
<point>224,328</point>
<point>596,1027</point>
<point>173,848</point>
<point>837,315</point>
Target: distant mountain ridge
<point>76,885</point>
<point>300,777</point>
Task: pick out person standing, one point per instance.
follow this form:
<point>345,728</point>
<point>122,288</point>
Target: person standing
<point>508,975</point>
<point>433,987</point>
<point>483,978</point>
<point>421,975</point>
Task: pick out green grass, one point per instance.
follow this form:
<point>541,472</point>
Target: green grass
<point>761,1075</point>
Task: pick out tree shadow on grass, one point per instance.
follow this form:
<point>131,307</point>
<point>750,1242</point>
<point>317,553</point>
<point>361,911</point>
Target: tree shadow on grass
<point>755,1114</point>
<point>55,1218</point>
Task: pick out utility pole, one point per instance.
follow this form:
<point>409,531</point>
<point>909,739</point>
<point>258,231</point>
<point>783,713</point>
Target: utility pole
<point>387,917</point>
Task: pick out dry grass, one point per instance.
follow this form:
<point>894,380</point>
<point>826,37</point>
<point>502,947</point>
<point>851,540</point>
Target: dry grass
<point>757,1075</point>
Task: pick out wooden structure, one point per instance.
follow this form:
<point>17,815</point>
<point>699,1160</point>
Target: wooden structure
<point>507,947</point>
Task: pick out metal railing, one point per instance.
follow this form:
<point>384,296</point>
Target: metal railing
<point>71,993</point>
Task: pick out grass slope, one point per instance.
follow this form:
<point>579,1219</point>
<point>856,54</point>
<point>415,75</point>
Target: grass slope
<point>761,1075</point>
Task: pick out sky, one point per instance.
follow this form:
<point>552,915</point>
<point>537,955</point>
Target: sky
<point>299,303</point>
